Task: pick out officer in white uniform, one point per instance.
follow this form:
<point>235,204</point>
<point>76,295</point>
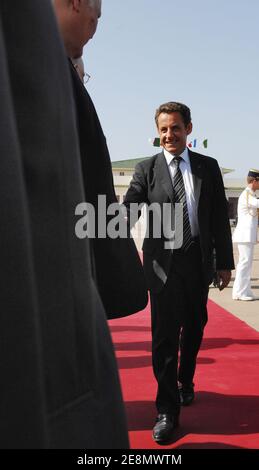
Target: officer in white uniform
<point>245,235</point>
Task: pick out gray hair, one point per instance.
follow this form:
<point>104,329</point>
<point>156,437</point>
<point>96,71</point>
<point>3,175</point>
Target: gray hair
<point>94,3</point>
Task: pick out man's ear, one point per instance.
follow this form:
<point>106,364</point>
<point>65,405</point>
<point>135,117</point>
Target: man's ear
<point>189,128</point>
<point>76,4</point>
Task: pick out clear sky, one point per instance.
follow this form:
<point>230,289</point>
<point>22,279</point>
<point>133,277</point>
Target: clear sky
<point>204,53</point>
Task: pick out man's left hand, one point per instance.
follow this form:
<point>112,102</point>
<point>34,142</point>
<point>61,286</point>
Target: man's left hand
<point>223,279</point>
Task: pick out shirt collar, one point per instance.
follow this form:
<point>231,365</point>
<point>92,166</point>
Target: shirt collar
<point>251,191</point>
<point>170,156</point>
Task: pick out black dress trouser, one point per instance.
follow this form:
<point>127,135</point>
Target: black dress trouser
<point>179,314</point>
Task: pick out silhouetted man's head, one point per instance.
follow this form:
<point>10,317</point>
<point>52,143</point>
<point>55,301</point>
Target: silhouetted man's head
<point>77,20</point>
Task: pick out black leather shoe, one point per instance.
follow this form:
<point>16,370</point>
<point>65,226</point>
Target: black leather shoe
<point>164,427</point>
<point>186,394</point>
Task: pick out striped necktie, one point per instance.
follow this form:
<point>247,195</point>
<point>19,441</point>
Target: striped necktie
<point>180,197</point>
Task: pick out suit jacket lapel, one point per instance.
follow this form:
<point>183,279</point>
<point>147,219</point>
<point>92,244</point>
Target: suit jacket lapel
<point>197,173</point>
<point>161,174</point>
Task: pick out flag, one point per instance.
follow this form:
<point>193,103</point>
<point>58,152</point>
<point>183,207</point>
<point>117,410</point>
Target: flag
<point>205,143</point>
<point>156,142</point>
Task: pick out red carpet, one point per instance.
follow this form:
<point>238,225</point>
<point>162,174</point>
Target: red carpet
<point>225,413</point>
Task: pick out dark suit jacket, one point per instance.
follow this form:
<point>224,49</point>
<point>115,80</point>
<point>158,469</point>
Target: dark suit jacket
<point>119,272</point>
<point>152,183</point>
<point>59,381</point>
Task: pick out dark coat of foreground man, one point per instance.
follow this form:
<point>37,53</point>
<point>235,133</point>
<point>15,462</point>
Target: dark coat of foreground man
<point>119,273</point>
<point>59,382</point>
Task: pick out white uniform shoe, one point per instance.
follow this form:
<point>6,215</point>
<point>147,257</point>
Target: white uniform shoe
<point>244,297</point>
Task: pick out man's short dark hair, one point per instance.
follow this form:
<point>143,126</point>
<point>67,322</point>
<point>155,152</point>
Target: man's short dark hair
<point>174,107</point>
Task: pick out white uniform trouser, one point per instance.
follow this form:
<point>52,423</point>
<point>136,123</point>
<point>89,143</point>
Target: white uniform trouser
<point>242,284</point>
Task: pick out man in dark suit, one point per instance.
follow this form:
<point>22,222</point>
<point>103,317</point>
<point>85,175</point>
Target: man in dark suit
<point>179,267</point>
<point>124,292</point>
<point>59,381</point>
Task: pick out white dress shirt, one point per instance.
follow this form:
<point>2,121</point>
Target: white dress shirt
<point>185,168</point>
